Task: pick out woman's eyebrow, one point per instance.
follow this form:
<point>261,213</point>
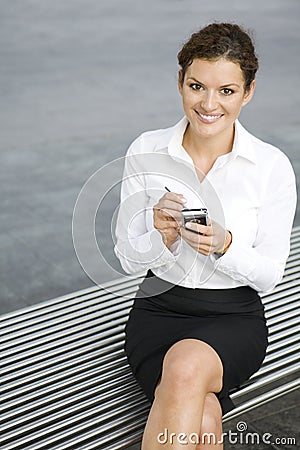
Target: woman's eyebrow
<point>192,78</point>
<point>223,86</point>
<point>230,84</point>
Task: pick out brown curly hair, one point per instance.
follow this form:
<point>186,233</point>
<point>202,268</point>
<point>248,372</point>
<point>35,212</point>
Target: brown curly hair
<point>221,40</point>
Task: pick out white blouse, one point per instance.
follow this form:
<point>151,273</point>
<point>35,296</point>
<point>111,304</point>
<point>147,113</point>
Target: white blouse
<point>250,191</point>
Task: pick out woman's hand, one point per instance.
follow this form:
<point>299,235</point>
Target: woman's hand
<point>167,216</point>
<point>213,240</point>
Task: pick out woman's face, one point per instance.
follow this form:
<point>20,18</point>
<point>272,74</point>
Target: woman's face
<point>213,95</point>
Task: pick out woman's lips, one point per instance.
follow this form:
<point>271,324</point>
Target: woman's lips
<point>208,118</point>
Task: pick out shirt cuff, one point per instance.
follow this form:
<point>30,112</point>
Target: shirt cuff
<point>238,262</point>
<point>176,247</point>
<point>164,255</point>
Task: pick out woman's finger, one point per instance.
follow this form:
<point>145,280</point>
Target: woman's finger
<point>171,201</point>
<point>168,214</point>
<point>192,238</point>
<point>166,224</point>
<point>170,204</point>
<point>195,240</point>
<point>207,230</point>
<point>176,198</point>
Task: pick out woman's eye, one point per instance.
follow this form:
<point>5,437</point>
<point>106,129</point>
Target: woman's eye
<point>195,86</point>
<point>227,91</point>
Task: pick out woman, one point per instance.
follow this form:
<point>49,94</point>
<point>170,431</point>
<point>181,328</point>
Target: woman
<point>197,328</point>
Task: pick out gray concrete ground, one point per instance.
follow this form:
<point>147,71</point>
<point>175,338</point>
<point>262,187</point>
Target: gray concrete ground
<point>79,80</point>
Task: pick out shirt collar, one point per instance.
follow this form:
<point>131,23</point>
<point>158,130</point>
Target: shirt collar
<point>242,145</point>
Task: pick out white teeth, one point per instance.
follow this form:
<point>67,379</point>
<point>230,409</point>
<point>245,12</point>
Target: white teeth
<point>209,117</point>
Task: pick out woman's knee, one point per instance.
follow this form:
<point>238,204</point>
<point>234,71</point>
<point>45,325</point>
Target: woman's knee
<point>192,363</point>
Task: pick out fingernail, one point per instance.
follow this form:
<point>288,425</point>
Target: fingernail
<point>188,225</point>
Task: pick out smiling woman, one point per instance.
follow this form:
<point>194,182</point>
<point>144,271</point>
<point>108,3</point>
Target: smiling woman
<point>197,328</point>
<point>213,94</point>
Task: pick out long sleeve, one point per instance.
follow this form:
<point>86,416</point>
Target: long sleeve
<point>261,266</point>
<point>139,245</point>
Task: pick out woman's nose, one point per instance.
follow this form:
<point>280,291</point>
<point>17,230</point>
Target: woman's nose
<point>209,101</point>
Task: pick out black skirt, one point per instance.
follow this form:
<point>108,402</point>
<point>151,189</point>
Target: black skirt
<point>231,321</point>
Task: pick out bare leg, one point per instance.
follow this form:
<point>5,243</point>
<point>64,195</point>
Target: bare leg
<point>211,426</point>
<point>191,370</point>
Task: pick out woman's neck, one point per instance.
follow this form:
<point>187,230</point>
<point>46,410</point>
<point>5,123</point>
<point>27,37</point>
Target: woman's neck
<point>210,148</point>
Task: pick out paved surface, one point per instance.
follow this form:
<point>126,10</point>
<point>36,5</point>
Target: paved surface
<point>79,80</point>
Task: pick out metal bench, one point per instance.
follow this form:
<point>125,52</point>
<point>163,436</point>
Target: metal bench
<point>66,383</point>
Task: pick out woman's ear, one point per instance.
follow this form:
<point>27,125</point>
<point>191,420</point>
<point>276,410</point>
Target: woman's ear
<point>180,81</point>
<point>249,93</point>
